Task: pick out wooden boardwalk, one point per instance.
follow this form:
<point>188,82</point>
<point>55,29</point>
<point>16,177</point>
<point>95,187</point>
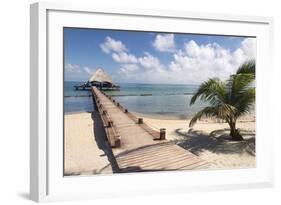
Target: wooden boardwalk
<point>136,146</point>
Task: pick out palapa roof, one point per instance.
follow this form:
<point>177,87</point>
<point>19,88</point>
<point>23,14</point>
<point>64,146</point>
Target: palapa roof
<point>100,76</point>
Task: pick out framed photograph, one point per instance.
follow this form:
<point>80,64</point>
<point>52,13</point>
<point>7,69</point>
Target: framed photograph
<point>128,102</point>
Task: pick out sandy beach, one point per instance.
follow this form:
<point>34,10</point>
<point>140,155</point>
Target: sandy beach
<point>87,153</point>
<point>84,153</point>
<point>209,140</point>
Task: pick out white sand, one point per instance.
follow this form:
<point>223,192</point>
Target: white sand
<point>82,153</point>
<point>85,154</point>
<point>221,153</point>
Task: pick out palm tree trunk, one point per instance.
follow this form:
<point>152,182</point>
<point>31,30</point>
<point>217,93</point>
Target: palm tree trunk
<point>234,133</point>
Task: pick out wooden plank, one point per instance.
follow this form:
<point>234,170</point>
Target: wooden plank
<point>157,162</point>
<point>150,153</point>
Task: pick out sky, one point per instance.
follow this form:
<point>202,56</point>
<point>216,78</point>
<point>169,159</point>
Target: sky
<point>153,57</point>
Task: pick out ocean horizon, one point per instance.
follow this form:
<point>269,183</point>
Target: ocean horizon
<point>158,100</point>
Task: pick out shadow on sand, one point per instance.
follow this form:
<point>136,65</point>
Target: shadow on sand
<point>101,140</point>
<point>217,141</point>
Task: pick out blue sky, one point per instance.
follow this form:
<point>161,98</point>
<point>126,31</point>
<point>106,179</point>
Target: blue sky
<point>152,57</point>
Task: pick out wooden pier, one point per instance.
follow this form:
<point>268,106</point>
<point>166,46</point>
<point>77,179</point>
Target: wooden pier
<point>135,145</point>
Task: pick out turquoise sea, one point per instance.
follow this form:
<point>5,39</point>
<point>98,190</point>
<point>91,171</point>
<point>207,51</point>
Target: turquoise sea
<point>157,100</point>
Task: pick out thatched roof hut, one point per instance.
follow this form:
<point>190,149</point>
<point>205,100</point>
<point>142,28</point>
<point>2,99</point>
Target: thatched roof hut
<point>101,76</point>
<point>101,79</point>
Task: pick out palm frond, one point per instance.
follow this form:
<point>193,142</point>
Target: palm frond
<point>245,102</point>
<point>226,111</point>
<point>248,67</point>
<point>236,85</point>
<point>207,111</point>
<point>212,90</point>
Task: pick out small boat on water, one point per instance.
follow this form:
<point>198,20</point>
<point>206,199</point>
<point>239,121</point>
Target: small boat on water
<point>99,79</point>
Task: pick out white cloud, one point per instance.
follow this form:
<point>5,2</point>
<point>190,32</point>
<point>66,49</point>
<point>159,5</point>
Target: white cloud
<point>246,51</point>
<point>192,49</point>
<point>249,47</point>
<point>164,43</point>
<point>72,68</point>
<point>111,44</point>
<point>197,63</point>
<point>128,69</point>
<point>150,62</point>
<point>88,70</point>
<point>124,57</point>
<point>193,64</point>
<point>147,69</point>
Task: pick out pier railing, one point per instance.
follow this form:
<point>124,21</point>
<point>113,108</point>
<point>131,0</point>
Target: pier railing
<point>112,135</point>
<point>157,135</point>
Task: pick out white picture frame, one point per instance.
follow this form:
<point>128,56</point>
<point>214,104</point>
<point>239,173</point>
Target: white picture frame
<point>46,178</point>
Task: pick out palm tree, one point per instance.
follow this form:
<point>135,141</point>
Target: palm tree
<point>228,100</point>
